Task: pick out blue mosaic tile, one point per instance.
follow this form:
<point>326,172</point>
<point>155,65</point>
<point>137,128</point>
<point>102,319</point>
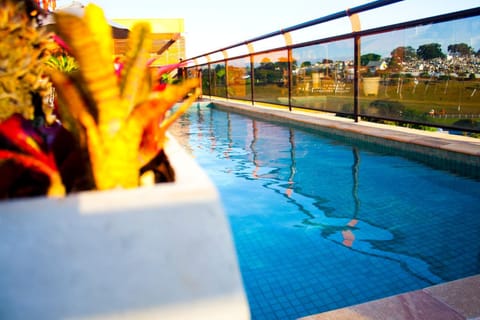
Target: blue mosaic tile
<point>312,237</point>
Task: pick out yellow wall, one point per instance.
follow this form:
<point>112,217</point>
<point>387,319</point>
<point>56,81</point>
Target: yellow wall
<point>173,25</point>
<point>163,30</point>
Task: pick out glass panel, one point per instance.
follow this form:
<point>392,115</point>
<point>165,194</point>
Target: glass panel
<point>428,74</point>
<point>237,51</point>
<point>200,60</point>
<point>323,30</point>
<point>323,76</point>
<point>218,80</point>
<point>409,10</point>
<point>205,80</point>
<point>271,77</point>
<point>238,79</point>
<point>269,43</point>
<point>201,72</point>
<point>217,56</point>
<point>191,72</point>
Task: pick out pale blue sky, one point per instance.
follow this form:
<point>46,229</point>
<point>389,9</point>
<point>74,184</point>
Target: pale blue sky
<point>213,24</point>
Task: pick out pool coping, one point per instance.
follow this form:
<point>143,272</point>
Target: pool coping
<point>459,299</point>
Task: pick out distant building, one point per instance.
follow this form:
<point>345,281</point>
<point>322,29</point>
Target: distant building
<point>375,66</point>
<point>168,40</point>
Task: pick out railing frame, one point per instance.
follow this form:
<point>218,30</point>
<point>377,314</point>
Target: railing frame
<point>355,35</point>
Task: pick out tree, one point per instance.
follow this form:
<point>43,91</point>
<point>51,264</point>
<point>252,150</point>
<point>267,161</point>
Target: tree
<point>294,64</point>
<point>400,54</point>
<point>430,51</point>
<point>282,65</point>
<point>460,49</point>
<point>366,58</point>
<point>306,64</point>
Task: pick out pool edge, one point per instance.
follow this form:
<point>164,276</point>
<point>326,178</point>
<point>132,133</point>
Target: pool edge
<point>459,153</point>
<point>459,299</point>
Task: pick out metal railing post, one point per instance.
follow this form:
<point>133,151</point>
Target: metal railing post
<point>356,76</point>
<point>290,78</point>
<point>226,79</point>
<point>252,73</point>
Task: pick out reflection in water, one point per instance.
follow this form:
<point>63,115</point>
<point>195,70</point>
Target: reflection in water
<point>228,148</point>
<point>291,177</point>
<point>255,161</point>
<point>353,233</point>
<point>348,235</point>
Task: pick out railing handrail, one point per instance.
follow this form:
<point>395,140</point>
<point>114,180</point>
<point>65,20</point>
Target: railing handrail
<point>341,14</point>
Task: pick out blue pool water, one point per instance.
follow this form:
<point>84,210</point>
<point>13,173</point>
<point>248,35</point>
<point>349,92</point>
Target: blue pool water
<point>320,223</point>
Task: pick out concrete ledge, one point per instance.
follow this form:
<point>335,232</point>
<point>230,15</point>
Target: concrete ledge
<point>160,252</point>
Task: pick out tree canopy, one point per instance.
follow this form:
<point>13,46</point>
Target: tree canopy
<point>366,58</point>
<point>430,51</point>
<point>460,49</point>
<point>403,54</point>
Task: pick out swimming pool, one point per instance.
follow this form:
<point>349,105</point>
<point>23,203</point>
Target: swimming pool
<point>322,223</point>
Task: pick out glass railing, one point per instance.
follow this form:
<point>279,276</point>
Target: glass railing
<point>420,73</point>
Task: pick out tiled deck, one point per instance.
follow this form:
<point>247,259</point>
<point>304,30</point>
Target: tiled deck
<point>453,300</point>
<point>450,301</point>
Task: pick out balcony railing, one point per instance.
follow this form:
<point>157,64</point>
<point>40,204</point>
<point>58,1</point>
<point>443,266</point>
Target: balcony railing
<point>420,73</point>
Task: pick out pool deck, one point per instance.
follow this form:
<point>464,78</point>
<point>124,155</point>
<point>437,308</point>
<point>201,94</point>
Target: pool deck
<point>458,299</point>
<point>454,300</point>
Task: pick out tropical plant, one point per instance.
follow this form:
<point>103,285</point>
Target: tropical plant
<point>64,63</point>
<point>23,52</point>
<point>47,4</point>
<point>119,123</point>
<point>30,151</point>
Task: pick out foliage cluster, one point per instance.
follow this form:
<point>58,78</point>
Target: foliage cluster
<point>112,127</point>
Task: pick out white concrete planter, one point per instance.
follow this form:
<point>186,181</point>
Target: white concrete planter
<point>162,252</point>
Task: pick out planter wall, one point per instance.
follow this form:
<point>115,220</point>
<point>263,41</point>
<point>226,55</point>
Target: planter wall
<point>161,252</point>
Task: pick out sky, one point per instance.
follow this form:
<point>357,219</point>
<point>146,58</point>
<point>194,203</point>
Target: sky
<point>214,24</point>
